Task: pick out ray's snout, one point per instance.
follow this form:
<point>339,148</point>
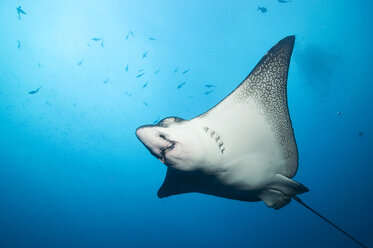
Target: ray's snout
<point>150,137</point>
<point>141,133</point>
<point>146,134</point>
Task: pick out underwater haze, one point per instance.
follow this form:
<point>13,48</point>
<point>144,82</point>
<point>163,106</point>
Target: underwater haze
<point>78,77</point>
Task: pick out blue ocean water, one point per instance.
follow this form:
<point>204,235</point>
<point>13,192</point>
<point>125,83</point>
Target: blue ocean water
<point>78,77</point>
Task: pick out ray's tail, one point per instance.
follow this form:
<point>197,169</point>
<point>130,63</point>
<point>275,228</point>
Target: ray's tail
<point>331,223</point>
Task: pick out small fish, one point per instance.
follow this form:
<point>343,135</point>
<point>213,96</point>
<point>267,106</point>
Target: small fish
<point>18,44</point>
<point>140,75</point>
<point>338,113</point>
<point>39,65</point>
<point>208,92</point>
<point>34,91</point>
<point>96,39</point>
<point>360,134</point>
<point>176,69</point>
<point>156,72</point>
<point>19,12</point>
<point>146,84</point>
<point>145,54</point>
<point>145,104</point>
<point>106,80</point>
<point>127,68</point>
<point>209,85</point>
<point>156,120</point>
<point>283,1</point>
<point>102,43</point>
<point>128,35</point>
<point>262,9</point>
<point>180,85</point>
<point>80,62</point>
<point>151,38</point>
<point>186,71</point>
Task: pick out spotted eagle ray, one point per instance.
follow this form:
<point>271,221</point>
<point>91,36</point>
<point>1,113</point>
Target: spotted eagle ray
<point>243,148</point>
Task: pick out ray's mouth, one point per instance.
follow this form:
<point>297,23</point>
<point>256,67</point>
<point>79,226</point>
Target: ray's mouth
<point>164,150</point>
<point>157,143</point>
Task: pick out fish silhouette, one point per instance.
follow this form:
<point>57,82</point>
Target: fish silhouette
<point>180,85</point>
<point>262,9</point>
<point>33,92</point>
<point>19,12</point>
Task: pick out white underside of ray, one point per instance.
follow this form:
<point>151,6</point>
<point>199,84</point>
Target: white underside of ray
<point>243,148</point>
<point>251,152</point>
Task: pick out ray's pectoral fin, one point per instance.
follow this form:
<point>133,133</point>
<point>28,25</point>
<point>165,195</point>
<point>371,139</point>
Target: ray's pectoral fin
<point>287,186</point>
<point>174,184</point>
<point>274,198</point>
<point>278,193</point>
<point>179,182</point>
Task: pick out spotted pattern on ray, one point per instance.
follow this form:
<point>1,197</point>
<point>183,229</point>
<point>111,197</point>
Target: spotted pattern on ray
<point>266,85</point>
